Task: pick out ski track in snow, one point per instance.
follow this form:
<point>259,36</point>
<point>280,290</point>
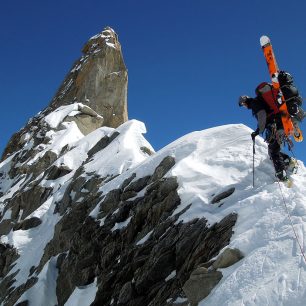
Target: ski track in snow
<point>207,163</point>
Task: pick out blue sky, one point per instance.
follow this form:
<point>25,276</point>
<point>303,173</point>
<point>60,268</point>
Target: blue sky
<point>188,61</point>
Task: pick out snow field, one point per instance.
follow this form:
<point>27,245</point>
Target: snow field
<point>207,163</point>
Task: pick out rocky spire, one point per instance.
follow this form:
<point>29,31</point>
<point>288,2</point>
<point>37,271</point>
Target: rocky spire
<point>98,79</point>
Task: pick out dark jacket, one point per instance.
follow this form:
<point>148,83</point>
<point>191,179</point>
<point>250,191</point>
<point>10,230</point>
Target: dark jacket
<point>261,111</point>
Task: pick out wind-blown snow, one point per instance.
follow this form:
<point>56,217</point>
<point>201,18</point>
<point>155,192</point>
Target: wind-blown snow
<point>124,152</point>
<point>31,243</point>
<point>120,155</point>
<point>44,291</point>
<point>121,224</point>
<point>83,296</point>
<point>57,116</point>
<point>273,271</point>
<point>212,161</point>
<point>75,157</point>
<point>207,163</point>
<point>145,238</point>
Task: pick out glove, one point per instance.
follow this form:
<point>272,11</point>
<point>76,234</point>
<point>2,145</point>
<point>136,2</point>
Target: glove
<point>254,134</point>
<point>242,100</point>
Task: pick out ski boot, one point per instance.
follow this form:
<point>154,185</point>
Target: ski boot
<point>283,177</point>
<point>291,165</point>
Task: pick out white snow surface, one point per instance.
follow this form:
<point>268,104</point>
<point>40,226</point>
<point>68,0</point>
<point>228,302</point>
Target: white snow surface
<point>57,116</point>
<point>211,161</point>
<point>124,152</point>
<point>44,291</point>
<point>207,163</point>
<point>31,243</point>
<point>83,296</point>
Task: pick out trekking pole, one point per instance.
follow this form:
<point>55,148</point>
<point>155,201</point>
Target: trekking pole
<point>253,162</point>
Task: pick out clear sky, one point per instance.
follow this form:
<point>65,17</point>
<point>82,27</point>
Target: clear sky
<point>188,61</point>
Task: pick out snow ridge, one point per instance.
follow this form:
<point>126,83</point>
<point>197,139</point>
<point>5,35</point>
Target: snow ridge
<point>207,162</point>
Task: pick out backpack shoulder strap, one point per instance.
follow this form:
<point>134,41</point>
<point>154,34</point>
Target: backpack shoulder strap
<point>269,95</point>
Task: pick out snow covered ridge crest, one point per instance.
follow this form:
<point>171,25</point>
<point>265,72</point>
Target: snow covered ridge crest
<point>100,219</point>
<point>64,148</point>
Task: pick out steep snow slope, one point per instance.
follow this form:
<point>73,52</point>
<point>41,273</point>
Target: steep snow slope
<point>124,153</point>
<point>273,270</point>
<point>207,163</point>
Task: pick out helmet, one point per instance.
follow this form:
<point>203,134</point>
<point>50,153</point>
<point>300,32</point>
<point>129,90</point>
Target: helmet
<point>242,100</point>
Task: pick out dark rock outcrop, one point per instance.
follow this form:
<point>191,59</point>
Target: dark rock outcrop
<point>227,258</point>
<point>223,195</point>
<point>7,256</point>
<point>27,224</point>
<point>200,284</point>
<point>27,201</point>
<point>136,246</point>
<point>205,277</point>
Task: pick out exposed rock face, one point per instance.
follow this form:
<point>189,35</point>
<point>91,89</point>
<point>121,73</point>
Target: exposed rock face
<point>222,195</point>
<point>137,247</point>
<point>205,277</point>
<point>132,247</point>
<point>27,224</point>
<point>87,120</point>
<point>98,79</point>
<point>200,284</point>
<point>227,258</point>
<point>138,255</point>
<point>7,256</point>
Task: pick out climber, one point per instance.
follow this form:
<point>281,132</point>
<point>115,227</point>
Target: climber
<point>269,121</point>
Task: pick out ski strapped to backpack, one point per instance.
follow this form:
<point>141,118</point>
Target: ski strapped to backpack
<point>278,105</point>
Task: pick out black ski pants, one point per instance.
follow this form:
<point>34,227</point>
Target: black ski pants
<point>278,158</point>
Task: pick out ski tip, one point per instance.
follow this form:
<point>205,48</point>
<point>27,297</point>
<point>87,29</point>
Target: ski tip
<point>264,40</point>
<point>298,138</point>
